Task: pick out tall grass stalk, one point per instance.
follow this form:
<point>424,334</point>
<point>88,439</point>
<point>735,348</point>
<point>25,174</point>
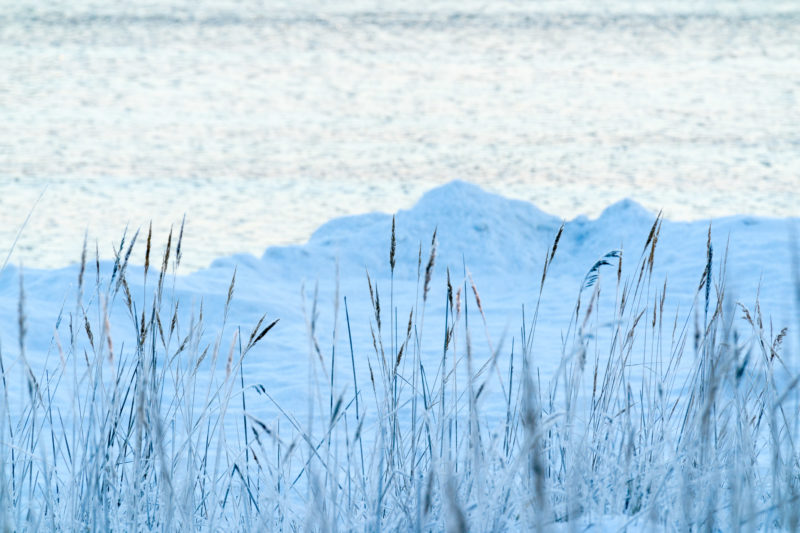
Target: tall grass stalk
<point>652,420</point>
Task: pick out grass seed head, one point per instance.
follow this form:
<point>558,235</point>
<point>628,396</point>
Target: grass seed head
<point>429,267</point>
<point>147,248</point>
<point>392,246</point>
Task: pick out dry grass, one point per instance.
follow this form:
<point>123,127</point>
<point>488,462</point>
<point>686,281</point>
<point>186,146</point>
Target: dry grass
<point>156,438</point>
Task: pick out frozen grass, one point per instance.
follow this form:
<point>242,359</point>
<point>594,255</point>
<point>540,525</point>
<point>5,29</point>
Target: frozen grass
<point>157,434</point>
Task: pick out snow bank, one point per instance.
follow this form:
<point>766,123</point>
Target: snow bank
<point>321,294</point>
<point>501,241</point>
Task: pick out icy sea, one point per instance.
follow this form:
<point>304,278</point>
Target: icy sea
<point>298,138</point>
<point>261,120</point>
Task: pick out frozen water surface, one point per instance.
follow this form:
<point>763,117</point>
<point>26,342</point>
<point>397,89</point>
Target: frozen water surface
<point>263,120</point>
<point>266,123</point>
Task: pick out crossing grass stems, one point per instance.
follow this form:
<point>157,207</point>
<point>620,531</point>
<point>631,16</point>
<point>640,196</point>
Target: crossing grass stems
<point>158,437</point>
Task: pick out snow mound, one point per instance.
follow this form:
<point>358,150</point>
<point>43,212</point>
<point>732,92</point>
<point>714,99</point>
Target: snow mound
<point>501,241</point>
<point>487,232</point>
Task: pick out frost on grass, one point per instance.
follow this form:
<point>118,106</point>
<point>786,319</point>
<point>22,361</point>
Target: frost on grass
<point>144,406</point>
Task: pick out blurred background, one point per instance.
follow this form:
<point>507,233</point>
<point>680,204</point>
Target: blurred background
<point>261,120</point>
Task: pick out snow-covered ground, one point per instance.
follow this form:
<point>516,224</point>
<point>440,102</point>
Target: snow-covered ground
<point>498,243</point>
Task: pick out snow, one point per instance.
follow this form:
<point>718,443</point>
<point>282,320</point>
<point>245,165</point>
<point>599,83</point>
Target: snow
<point>501,242</point>
<point>498,242</point>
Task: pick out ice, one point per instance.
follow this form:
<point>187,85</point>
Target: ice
<point>501,242</point>
<point>496,242</point>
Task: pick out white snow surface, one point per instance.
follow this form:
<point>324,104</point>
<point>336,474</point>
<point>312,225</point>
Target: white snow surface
<point>499,242</point>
